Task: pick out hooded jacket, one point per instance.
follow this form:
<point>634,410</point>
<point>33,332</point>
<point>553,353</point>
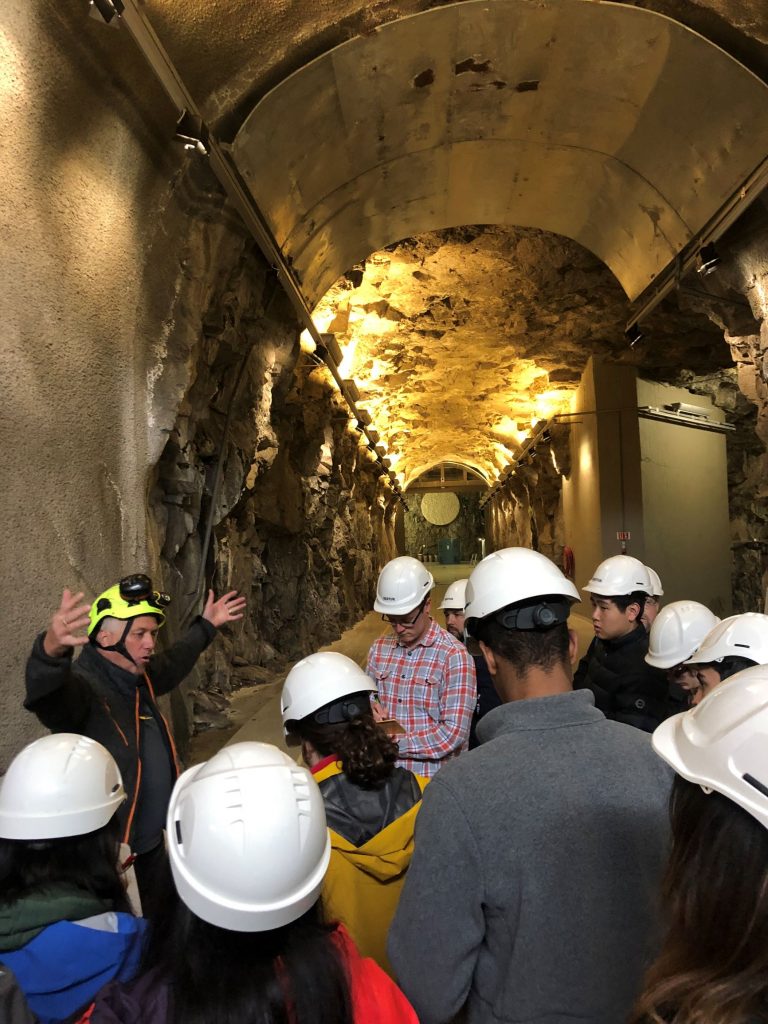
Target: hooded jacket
<point>63,945</point>
<point>375,998</point>
<point>371,847</point>
<point>95,698</point>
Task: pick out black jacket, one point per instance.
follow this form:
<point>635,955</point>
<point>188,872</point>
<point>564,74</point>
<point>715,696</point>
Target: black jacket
<point>95,698</point>
<point>626,688</point>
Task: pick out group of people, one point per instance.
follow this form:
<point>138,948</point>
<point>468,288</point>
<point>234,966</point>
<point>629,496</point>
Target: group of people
<point>477,833</point>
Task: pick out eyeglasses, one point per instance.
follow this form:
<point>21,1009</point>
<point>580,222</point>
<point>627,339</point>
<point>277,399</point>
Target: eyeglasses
<point>401,620</point>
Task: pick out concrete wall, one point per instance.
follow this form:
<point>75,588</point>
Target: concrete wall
<point>602,493</point>
<point>684,480</point>
<point>84,323</point>
<point>129,294</point>
<point>664,484</point>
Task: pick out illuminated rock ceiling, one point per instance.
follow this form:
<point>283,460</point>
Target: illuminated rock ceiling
<point>460,340</point>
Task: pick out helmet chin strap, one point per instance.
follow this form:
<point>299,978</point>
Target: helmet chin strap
<point>119,647</point>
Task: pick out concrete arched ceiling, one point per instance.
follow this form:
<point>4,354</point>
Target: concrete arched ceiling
<point>609,124</point>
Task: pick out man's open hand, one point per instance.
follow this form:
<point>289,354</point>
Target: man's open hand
<point>67,624</point>
<point>228,608</point>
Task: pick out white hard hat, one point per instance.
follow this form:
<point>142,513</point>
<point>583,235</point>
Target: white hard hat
<point>656,588</point>
<point>677,631</point>
<point>61,785</point>
<point>318,680</point>
<point>455,595</point>
<point>740,636</point>
<point>723,743</point>
<point>618,576</point>
<point>403,585</point>
<point>512,575</point>
<point>247,838</point>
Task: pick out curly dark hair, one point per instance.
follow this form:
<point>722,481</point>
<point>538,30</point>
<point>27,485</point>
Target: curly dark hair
<point>366,752</point>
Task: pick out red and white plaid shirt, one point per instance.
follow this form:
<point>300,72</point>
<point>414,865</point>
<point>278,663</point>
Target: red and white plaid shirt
<point>431,690</point>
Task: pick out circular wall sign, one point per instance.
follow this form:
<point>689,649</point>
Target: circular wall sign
<point>440,507</point>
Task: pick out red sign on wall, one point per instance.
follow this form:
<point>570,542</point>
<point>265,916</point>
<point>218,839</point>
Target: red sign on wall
<point>622,535</point>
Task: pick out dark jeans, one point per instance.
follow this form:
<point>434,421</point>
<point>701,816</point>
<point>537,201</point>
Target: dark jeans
<point>153,876</point>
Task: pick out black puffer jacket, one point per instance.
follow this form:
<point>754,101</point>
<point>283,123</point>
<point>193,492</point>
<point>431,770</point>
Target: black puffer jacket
<point>626,688</point>
<point>95,698</point>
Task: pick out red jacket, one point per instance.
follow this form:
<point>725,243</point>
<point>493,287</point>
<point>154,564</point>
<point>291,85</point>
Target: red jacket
<point>375,997</point>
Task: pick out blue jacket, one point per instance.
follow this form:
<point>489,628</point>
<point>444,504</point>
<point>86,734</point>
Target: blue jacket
<point>62,968</point>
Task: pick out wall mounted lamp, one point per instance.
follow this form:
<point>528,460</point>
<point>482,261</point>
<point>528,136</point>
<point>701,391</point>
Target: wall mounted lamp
<point>108,9</point>
<point>633,334</point>
<point>192,131</point>
<point>709,260</point>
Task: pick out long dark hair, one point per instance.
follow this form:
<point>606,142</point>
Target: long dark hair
<point>87,862</point>
<point>366,752</point>
<point>713,965</point>
<point>289,975</point>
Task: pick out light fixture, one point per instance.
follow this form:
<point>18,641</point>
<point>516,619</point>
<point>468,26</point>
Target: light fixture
<point>633,334</point>
<point>108,9</point>
<point>330,347</point>
<point>191,130</point>
<point>709,260</point>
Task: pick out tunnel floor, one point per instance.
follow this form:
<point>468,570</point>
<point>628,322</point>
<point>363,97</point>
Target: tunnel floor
<point>257,711</point>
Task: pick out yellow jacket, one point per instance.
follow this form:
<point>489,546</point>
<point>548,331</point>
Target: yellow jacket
<point>363,883</point>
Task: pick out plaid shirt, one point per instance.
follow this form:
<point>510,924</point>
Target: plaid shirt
<point>431,690</point>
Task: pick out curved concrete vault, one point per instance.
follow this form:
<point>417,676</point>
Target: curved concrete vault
<point>612,125</point>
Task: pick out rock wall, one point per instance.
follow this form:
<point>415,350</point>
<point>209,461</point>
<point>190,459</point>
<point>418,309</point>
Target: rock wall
<point>527,510</point>
<point>261,460</point>
<point>735,297</point>
<point>422,537</point>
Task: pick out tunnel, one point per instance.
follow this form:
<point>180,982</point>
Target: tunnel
<point>291,289</point>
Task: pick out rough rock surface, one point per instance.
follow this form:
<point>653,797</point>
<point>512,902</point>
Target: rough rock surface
<point>423,538</point>
<point>477,333</point>
<point>262,454</point>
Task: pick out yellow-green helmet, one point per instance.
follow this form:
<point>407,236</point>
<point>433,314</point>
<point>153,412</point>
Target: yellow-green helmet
<point>120,603</point>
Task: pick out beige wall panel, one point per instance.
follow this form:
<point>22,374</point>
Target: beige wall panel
<point>685,489</point>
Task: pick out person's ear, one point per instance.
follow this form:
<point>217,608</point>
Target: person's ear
<point>490,658</point>
<point>573,645</point>
<point>633,611</point>
<point>428,606</point>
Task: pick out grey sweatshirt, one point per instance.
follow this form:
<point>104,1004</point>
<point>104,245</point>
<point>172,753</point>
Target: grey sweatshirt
<point>533,891</point>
